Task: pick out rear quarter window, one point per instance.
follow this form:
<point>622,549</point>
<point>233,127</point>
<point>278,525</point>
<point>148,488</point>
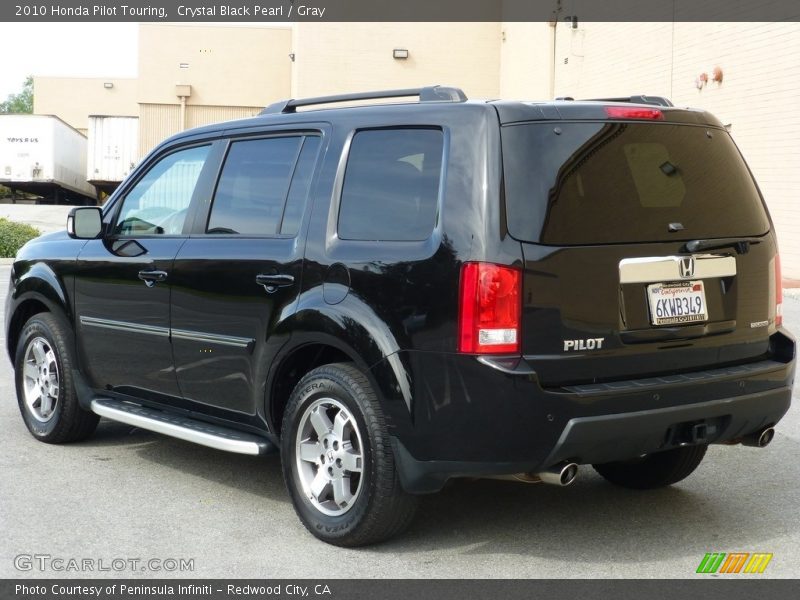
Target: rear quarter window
<point>620,182</point>
<point>391,185</point>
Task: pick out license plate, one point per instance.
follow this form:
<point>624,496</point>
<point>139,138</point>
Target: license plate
<point>677,303</point>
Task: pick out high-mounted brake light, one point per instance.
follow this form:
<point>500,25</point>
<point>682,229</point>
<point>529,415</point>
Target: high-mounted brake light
<point>630,112</point>
<point>778,292</point>
<point>490,305</point>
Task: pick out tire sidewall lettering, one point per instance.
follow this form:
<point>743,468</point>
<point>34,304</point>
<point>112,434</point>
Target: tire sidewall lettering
<point>330,525</point>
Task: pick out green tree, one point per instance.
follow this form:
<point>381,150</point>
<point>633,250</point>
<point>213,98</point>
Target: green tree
<point>22,102</point>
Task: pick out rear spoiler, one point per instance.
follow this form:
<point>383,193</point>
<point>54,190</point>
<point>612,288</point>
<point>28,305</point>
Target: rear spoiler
<point>641,99</point>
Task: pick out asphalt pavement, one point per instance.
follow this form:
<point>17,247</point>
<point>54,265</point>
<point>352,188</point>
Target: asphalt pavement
<point>127,497</point>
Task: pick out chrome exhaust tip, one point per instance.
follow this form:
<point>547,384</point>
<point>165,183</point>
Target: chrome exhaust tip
<point>760,439</point>
<point>766,437</point>
<point>561,474</point>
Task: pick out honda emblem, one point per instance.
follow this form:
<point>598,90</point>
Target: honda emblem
<point>687,267</point>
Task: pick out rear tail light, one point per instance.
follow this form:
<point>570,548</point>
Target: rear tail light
<point>778,292</point>
<point>631,112</point>
<point>490,305</point>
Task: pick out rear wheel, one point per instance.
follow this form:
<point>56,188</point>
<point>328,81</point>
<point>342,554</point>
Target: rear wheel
<point>654,470</point>
<point>45,393</point>
<point>337,460</point>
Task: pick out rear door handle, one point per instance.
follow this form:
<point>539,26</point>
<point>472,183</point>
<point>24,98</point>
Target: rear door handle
<point>272,282</point>
<point>150,278</point>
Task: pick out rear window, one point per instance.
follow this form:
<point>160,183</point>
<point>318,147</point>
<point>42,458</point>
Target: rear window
<point>596,183</point>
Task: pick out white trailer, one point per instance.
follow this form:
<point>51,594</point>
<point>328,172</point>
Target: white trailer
<point>113,150</point>
<point>42,155</point>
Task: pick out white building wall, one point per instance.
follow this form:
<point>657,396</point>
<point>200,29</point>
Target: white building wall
<point>611,59</point>
<point>758,95</point>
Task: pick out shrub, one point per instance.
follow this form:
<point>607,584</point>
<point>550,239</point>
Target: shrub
<point>13,236</point>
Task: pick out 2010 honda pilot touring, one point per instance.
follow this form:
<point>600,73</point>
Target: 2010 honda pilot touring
<point>397,294</point>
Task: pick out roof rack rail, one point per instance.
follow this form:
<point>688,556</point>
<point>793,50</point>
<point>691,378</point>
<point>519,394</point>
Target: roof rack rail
<point>434,93</point>
<point>640,99</point>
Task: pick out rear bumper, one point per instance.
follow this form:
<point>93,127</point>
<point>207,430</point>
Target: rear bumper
<point>606,438</point>
<point>507,423</point>
<point>609,438</point>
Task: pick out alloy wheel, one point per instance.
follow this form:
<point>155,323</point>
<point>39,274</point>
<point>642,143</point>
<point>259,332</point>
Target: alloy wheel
<point>330,456</point>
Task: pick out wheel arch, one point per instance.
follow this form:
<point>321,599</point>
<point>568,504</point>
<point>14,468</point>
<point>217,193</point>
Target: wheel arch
<point>306,352</point>
<point>350,331</point>
<point>37,291</point>
<point>309,349</point>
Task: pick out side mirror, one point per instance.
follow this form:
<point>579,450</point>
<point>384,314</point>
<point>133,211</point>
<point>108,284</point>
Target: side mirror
<point>85,223</point>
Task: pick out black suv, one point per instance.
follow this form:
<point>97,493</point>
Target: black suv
<point>397,294</point>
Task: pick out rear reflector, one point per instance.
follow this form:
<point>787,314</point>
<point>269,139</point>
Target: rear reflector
<point>630,112</point>
<point>489,309</point>
<point>778,292</point>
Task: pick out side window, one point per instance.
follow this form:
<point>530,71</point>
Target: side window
<point>301,184</point>
<point>158,203</point>
<point>253,186</point>
<point>391,185</point>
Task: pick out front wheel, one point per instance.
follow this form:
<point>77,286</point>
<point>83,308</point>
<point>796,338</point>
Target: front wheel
<point>45,391</point>
<point>654,470</point>
<point>337,460</point>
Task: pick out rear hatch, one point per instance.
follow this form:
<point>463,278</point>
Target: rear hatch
<point>647,247</point>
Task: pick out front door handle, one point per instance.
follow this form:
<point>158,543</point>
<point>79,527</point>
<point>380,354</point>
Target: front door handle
<point>150,278</point>
<point>272,282</point>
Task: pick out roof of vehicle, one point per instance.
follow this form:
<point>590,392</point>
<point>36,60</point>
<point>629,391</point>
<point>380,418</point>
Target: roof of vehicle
<point>328,108</point>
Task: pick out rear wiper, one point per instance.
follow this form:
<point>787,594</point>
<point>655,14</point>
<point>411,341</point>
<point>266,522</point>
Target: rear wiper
<point>742,245</point>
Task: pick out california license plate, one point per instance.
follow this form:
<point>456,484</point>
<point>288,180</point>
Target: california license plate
<point>677,303</point>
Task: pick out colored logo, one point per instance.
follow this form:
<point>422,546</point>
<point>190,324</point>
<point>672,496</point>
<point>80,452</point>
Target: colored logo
<point>734,562</point>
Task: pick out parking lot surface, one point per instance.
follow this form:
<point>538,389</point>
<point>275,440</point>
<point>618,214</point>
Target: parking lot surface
<point>130,494</point>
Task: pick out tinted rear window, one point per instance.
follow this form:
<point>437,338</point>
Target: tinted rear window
<point>596,183</point>
<point>391,185</point>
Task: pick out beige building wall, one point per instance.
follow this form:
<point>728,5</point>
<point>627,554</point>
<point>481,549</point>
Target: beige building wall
<point>226,66</point>
<point>333,58</point>
<point>758,95</point>
<point>526,61</point>
<point>203,115</point>
<point>233,73</point>
<point>159,121</point>
<point>74,99</point>
<point>156,123</point>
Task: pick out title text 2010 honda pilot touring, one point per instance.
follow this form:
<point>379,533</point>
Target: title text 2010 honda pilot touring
<point>398,294</point>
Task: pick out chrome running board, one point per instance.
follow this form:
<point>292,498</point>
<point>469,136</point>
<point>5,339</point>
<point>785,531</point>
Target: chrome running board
<point>183,428</point>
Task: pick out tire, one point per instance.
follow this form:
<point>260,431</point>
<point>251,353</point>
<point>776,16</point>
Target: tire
<point>335,501</point>
<point>46,395</point>
<point>654,470</point>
